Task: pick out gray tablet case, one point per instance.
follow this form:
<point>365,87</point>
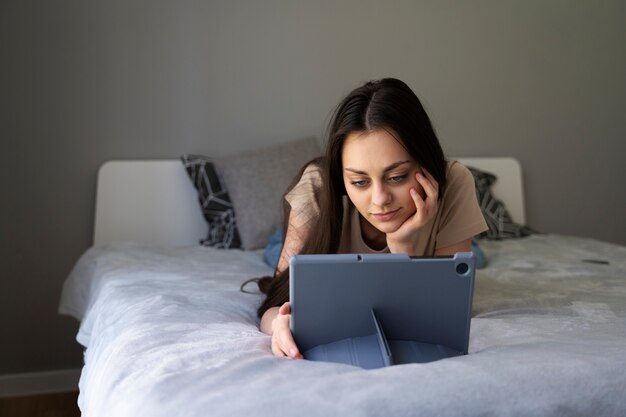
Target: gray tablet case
<point>374,310</point>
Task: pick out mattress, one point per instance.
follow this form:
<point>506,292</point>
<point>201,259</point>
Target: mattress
<point>167,331</point>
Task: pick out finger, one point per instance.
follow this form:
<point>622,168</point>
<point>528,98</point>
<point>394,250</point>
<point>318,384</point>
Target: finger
<point>425,185</point>
<point>417,200</point>
<point>283,343</point>
<point>279,351</point>
<point>278,342</point>
<point>429,188</point>
<point>276,350</point>
<point>288,345</point>
<point>432,195</point>
<point>431,178</point>
<point>285,308</point>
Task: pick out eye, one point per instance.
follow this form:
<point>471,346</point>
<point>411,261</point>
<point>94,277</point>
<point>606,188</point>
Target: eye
<point>397,179</point>
<point>359,184</point>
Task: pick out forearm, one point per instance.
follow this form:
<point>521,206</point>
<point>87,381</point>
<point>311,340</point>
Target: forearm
<point>267,319</point>
<point>464,246</point>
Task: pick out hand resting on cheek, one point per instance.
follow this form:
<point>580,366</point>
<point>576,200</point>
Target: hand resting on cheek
<point>402,240</point>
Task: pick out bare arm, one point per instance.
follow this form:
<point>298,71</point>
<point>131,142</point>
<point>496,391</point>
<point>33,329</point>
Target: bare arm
<point>464,246</point>
<point>304,210</point>
<point>297,232</point>
<point>275,321</point>
<point>268,319</point>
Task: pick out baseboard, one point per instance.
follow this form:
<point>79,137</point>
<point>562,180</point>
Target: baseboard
<point>15,385</point>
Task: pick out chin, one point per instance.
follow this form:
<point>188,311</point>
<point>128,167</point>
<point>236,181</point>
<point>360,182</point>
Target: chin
<point>387,227</point>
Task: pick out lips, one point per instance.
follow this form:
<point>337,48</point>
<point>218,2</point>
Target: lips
<point>385,217</point>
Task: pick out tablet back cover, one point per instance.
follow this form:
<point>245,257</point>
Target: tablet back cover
<point>428,300</point>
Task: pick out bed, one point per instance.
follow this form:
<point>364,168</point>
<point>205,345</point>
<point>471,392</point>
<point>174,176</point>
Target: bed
<point>167,331</point>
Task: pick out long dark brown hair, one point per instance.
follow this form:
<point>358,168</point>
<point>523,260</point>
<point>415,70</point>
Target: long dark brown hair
<point>382,104</point>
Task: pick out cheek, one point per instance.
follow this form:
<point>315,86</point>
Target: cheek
<point>360,199</point>
<point>403,196</point>
<point>405,200</point>
<point>415,184</point>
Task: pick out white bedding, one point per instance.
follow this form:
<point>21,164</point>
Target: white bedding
<point>168,333</point>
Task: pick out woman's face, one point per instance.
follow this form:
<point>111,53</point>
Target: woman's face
<point>378,174</point>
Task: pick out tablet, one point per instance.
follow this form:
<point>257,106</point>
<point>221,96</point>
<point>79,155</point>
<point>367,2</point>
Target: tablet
<point>374,310</point>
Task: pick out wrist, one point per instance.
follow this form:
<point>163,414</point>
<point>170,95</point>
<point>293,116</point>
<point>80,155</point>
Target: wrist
<point>268,319</point>
<point>402,247</point>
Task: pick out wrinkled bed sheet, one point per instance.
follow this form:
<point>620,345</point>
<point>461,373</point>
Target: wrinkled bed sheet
<point>168,333</point>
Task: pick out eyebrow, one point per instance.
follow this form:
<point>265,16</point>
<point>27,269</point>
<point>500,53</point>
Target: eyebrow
<point>387,169</point>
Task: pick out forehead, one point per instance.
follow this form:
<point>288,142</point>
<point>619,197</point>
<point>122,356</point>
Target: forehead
<point>372,150</point>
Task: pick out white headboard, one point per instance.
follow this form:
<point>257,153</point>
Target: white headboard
<point>147,202</point>
<point>154,202</point>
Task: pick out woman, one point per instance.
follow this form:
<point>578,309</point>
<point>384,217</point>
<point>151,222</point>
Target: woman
<point>382,186</point>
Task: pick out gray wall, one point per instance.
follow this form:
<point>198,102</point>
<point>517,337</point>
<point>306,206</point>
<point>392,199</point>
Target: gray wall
<point>82,82</point>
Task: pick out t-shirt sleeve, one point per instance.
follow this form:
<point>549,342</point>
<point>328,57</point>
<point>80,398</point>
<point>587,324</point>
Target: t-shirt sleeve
<point>304,202</point>
<point>304,197</point>
<point>461,217</point>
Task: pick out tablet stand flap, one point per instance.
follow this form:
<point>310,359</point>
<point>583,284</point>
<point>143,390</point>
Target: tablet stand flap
<point>375,351</point>
<point>383,344</point>
<point>411,351</point>
<point>369,352</point>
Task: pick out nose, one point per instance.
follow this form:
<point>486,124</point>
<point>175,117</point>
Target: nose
<point>381,196</point>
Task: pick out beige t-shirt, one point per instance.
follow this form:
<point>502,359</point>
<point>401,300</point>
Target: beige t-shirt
<point>458,216</point>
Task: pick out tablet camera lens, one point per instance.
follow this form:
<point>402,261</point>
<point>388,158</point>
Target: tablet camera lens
<point>462,268</point>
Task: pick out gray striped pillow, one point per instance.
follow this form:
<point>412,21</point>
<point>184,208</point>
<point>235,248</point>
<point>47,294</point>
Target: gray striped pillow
<point>501,226</point>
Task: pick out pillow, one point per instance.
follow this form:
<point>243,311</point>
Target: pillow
<point>256,182</point>
<point>214,201</point>
<point>273,248</point>
<point>481,261</point>
<point>498,219</point>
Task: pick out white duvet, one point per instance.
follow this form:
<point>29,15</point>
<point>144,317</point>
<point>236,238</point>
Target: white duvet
<point>168,333</point>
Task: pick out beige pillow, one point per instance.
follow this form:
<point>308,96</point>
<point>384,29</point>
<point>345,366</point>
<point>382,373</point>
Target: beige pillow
<point>256,181</point>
